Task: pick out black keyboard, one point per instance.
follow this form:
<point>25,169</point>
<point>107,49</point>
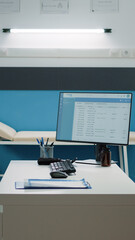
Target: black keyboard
<point>63,166</point>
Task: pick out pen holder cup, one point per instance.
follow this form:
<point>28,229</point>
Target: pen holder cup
<point>46,151</point>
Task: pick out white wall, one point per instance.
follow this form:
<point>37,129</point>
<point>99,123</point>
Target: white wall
<point>121,38</point>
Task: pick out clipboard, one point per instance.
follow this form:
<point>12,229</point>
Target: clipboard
<point>52,184</point>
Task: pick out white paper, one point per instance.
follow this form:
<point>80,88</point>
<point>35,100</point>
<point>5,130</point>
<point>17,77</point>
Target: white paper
<point>52,184</point>
<point>104,6</point>
<point>55,183</point>
<point>54,6</point>
<point>9,6</point>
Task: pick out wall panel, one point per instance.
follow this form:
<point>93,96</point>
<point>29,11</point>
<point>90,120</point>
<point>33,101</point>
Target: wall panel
<point>66,78</point>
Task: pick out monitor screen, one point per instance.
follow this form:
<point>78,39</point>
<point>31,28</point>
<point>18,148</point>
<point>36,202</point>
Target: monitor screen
<point>94,117</point>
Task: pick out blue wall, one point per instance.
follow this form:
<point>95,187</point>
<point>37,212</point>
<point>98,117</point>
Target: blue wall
<point>37,110</point>
<point>29,110</point>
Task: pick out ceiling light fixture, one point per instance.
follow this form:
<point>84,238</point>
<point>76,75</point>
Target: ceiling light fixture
<point>48,31</point>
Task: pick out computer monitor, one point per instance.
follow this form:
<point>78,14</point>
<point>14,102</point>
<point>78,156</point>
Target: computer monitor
<point>100,118</point>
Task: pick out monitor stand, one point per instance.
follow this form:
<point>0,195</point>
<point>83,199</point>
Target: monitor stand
<point>99,148</point>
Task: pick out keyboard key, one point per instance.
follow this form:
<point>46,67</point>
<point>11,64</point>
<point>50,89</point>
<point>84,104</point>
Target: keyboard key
<point>63,166</point>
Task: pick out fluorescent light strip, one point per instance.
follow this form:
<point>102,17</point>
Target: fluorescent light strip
<point>56,31</point>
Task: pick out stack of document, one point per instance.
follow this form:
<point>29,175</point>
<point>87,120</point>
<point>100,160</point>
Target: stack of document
<point>52,184</point>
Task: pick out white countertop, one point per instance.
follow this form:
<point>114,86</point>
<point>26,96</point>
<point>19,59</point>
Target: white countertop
<point>103,180</point>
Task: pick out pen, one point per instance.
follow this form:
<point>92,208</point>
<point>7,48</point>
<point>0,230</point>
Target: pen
<point>51,144</point>
<point>42,141</point>
<point>37,140</point>
<point>47,141</point>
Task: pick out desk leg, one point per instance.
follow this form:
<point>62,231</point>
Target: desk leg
<point>121,157</point>
<point>1,221</point>
<point>125,158</point>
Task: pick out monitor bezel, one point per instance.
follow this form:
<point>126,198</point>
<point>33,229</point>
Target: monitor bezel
<point>92,142</point>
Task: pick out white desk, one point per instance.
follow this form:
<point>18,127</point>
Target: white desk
<point>107,211</point>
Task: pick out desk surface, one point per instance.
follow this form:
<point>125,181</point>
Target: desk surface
<point>104,180</point>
